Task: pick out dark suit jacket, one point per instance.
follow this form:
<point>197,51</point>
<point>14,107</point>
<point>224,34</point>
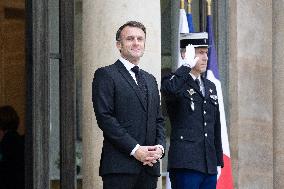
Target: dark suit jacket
<point>12,172</point>
<point>196,130</point>
<point>124,119</point>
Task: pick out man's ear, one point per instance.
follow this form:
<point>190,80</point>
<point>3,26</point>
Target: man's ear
<point>118,45</point>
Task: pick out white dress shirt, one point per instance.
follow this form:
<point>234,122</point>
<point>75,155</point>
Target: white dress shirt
<point>128,66</point>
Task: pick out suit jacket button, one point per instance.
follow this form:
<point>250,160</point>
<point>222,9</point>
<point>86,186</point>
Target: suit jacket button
<point>204,112</point>
<point>181,137</point>
<point>204,101</point>
<point>205,134</point>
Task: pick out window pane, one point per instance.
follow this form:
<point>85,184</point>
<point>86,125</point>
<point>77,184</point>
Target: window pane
<point>54,140</point>
<point>78,72</point>
<point>53,16</point>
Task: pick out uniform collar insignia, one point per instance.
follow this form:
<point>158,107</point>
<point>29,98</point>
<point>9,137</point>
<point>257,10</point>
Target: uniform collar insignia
<point>191,92</point>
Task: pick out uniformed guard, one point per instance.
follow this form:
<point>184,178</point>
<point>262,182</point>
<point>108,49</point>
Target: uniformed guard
<point>192,105</point>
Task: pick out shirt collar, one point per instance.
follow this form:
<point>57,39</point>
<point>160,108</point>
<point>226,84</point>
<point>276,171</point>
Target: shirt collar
<point>193,76</point>
<point>126,63</point>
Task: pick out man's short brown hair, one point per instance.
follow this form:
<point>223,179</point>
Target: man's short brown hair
<point>130,24</point>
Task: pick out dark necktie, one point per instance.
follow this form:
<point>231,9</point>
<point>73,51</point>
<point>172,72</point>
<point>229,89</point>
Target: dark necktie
<point>199,85</point>
<point>141,83</point>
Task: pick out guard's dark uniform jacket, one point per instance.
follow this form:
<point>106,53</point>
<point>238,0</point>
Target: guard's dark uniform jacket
<point>196,130</point>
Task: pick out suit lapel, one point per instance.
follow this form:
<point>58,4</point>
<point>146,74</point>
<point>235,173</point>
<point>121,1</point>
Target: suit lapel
<point>126,75</point>
<point>149,91</point>
<point>206,88</point>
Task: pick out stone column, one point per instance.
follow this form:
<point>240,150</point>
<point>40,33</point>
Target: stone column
<point>101,19</point>
<point>251,93</point>
<point>278,88</point>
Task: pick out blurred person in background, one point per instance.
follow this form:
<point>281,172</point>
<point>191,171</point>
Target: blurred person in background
<point>11,150</point>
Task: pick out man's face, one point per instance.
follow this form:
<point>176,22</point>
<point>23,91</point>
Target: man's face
<point>131,44</point>
<point>201,65</point>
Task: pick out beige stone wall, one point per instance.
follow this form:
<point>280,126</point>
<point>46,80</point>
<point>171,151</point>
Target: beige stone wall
<point>233,87</point>
<point>101,19</point>
<point>278,95</point>
<point>251,93</point>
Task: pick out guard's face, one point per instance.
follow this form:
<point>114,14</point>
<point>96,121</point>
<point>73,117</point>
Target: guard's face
<point>201,65</point>
<point>131,44</point>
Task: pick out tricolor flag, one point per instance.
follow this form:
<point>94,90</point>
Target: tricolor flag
<point>183,24</point>
<point>225,179</point>
<point>189,18</point>
<point>183,28</point>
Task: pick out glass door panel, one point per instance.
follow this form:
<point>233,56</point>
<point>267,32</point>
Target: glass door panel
<point>54,95</point>
<point>78,74</point>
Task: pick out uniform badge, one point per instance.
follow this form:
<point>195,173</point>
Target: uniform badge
<point>192,105</point>
<point>191,92</point>
<point>210,90</point>
<point>214,97</point>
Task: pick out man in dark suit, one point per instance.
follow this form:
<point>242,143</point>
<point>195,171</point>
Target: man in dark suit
<point>126,102</point>
<point>12,150</point>
<point>192,105</point>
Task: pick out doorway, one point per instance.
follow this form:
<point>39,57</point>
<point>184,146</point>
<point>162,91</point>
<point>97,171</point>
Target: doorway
<point>51,95</point>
